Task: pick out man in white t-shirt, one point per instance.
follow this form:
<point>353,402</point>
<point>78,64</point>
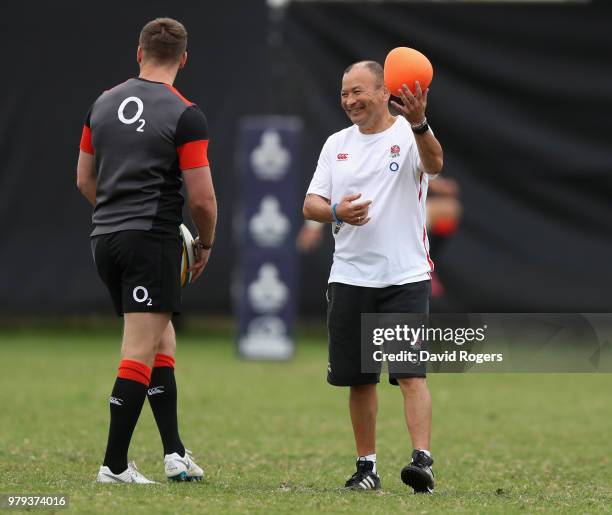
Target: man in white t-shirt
<point>371,185</point>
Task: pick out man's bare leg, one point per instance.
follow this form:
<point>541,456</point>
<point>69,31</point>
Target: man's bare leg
<point>363,405</point>
<point>142,333</point>
<point>167,344</point>
<point>178,464</point>
<point>417,408</point>
<point>141,336</point>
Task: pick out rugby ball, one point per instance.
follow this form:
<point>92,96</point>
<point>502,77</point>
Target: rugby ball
<point>188,258</point>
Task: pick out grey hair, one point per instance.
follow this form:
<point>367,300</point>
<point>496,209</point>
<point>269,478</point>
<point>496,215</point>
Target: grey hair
<point>375,69</point>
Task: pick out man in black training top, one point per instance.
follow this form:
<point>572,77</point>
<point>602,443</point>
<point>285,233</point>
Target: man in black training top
<point>141,140</point>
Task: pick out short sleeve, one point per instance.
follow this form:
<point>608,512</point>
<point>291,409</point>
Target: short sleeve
<point>321,183</point>
<point>191,139</point>
<point>86,145</point>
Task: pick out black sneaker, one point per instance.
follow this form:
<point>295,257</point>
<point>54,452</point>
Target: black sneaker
<point>418,474</point>
<point>364,478</point>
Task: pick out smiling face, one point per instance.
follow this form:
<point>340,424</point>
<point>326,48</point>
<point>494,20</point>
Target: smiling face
<point>364,98</point>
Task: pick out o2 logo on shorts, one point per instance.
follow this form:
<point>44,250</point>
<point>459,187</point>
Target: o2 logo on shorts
<point>393,166</point>
<point>141,294</point>
<point>133,119</point>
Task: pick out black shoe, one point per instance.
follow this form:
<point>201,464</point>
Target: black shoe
<point>418,474</point>
<point>364,478</point>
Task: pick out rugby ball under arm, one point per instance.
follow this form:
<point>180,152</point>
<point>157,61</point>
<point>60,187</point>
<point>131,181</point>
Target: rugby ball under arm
<point>188,258</point>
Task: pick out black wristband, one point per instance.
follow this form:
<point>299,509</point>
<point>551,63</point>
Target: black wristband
<point>422,129</point>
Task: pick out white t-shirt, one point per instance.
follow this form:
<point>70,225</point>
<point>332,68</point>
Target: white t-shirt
<point>392,248</point>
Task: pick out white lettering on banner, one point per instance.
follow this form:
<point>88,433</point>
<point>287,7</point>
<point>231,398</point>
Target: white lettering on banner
<point>266,337</point>
<point>270,159</point>
<point>268,293</point>
<point>269,226</point>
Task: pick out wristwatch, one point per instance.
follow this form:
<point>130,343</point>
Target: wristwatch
<point>421,127</point>
<point>200,246</point>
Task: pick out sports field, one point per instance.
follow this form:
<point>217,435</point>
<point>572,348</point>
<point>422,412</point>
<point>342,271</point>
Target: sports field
<point>274,438</point>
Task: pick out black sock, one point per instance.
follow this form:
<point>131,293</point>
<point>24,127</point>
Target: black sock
<point>162,397</point>
<point>125,405</point>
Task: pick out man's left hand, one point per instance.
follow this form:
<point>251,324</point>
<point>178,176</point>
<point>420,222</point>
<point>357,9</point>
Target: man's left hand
<point>201,256</point>
<point>413,105</point>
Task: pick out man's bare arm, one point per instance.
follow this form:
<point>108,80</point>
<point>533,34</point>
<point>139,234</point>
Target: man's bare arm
<point>430,152</point>
<point>317,208</point>
<point>202,204</point>
<point>413,109</point>
<point>86,177</point>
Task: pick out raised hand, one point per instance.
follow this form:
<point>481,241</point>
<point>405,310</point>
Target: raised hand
<point>413,105</point>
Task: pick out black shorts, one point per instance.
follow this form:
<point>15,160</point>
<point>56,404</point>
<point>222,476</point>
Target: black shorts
<point>141,269</point>
<point>345,304</point>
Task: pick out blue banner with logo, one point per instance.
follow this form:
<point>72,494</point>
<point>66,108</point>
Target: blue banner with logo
<point>267,224</point>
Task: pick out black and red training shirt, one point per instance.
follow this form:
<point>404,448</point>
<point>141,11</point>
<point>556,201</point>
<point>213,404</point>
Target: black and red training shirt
<point>143,134</point>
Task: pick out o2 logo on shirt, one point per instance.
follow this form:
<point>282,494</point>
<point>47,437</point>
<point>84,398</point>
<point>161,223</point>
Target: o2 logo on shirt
<point>393,166</point>
<point>136,117</point>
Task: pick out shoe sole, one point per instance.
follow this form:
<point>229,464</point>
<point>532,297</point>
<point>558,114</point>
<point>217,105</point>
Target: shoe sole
<point>359,489</point>
<point>179,477</point>
<point>184,478</point>
<point>417,479</point>
<point>124,482</point>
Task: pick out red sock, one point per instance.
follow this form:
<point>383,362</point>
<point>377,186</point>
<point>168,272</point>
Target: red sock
<point>163,360</point>
<point>134,370</point>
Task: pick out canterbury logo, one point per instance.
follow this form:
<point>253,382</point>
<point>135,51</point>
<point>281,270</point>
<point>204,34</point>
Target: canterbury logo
<point>118,402</point>
<point>155,390</point>
<point>342,157</point>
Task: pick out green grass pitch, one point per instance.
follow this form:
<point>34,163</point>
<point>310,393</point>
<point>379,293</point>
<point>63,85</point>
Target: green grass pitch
<point>275,438</point>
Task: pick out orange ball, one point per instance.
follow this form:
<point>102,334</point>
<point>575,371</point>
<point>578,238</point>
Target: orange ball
<point>405,66</point>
